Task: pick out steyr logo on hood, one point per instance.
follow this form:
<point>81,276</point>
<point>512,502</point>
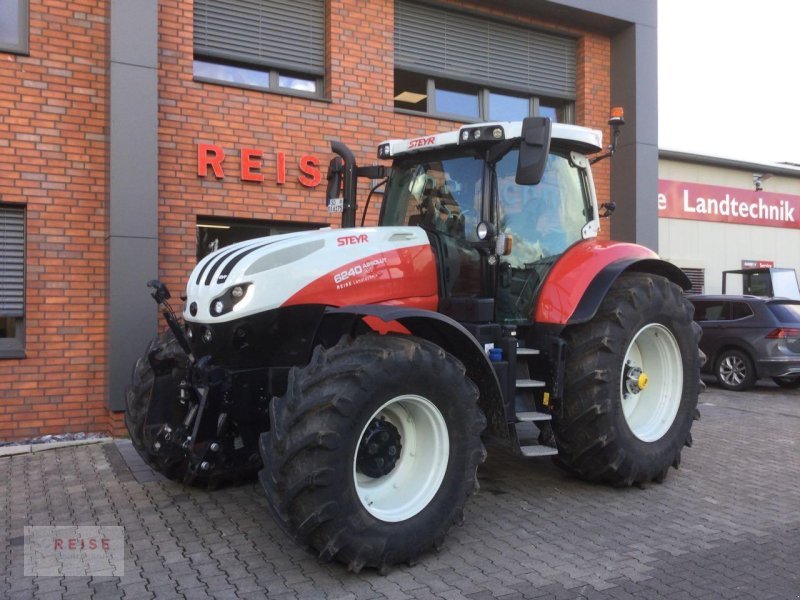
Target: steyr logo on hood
<point>350,240</point>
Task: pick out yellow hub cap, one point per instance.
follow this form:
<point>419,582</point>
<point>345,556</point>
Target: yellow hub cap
<point>642,381</point>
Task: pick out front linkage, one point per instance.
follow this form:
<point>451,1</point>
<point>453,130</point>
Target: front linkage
<point>196,422</point>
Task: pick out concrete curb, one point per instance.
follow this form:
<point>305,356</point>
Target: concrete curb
<point>32,448</point>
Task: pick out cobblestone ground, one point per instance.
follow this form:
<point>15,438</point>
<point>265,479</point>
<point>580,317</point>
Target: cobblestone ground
<point>726,525</point>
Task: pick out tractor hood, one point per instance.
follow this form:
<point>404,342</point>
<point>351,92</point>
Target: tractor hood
<point>335,267</point>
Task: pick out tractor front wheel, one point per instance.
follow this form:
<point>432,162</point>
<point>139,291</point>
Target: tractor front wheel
<point>631,387</point>
<point>142,392</point>
<point>373,450</point>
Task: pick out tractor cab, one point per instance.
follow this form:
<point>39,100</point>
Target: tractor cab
<point>501,202</point>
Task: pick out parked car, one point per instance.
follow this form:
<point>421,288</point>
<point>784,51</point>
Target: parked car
<point>749,337</point>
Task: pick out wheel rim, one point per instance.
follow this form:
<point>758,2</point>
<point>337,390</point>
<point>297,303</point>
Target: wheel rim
<point>416,476</point>
<point>652,382</point>
<point>732,370</point>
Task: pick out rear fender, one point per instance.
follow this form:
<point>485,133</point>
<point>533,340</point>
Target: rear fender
<point>434,327</point>
<point>580,280</point>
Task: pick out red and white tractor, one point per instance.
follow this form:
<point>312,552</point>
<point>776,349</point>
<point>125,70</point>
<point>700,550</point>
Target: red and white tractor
<point>361,370</point>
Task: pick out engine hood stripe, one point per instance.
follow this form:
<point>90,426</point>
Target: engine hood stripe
<point>234,261</point>
<point>224,257</point>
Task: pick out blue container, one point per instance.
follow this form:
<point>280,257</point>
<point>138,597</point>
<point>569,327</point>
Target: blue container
<point>496,354</point>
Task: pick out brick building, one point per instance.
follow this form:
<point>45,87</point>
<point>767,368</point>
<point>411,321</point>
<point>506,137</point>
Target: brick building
<point>111,111</point>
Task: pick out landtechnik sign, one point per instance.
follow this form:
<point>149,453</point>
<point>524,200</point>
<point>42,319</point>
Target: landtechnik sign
<point>699,202</point>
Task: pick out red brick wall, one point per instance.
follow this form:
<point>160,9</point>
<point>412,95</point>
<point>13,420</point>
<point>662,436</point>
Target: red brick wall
<point>360,113</point>
<point>53,160</point>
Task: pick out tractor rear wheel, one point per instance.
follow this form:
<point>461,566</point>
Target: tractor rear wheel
<point>631,386</point>
<point>373,450</point>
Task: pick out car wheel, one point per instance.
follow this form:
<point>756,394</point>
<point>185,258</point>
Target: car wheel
<point>735,371</point>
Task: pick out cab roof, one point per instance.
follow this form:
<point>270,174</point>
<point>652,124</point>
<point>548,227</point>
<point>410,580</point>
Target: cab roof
<point>581,139</point>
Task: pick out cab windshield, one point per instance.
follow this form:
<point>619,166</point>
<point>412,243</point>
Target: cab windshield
<point>544,219</point>
<point>443,192</point>
<point>439,191</point>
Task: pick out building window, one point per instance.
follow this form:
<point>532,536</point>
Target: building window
<point>467,102</point>
<point>274,45</point>
<point>214,233</point>
<point>468,68</point>
<point>12,281</point>
<point>14,26</point>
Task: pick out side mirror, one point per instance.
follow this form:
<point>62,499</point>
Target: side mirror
<point>334,190</point>
<point>533,150</point>
<point>373,172</point>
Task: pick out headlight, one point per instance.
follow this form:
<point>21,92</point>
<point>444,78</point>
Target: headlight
<point>481,133</point>
<point>232,296</point>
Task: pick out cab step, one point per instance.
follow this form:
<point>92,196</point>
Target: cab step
<point>532,416</point>
<point>529,383</point>
<point>527,351</point>
<point>537,450</point>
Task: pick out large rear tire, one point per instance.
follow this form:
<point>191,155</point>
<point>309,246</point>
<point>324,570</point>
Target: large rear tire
<point>373,450</point>
<point>631,386</point>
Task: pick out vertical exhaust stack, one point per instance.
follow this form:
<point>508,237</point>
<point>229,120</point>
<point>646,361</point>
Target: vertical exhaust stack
<point>342,177</point>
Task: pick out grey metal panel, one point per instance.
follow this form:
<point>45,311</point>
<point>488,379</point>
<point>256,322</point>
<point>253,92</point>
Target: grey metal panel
<point>140,17</point>
<point>12,261</point>
<point>134,151</point>
<point>14,37</point>
<point>285,34</point>
<point>773,168</point>
<point>634,171</point>
<point>133,188</point>
<point>643,12</point>
<point>472,49</point>
<point>132,314</point>
<point>608,16</point>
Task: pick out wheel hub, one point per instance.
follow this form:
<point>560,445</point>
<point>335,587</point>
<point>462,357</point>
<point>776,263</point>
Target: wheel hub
<point>379,449</point>
<point>652,382</point>
<point>635,379</point>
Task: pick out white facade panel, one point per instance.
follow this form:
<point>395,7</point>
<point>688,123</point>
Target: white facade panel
<point>717,246</point>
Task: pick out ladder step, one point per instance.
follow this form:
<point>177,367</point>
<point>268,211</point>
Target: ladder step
<point>537,450</point>
<point>533,416</point>
<point>528,351</point>
<point>529,383</point>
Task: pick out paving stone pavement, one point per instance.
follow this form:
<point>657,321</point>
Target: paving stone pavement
<point>725,525</point>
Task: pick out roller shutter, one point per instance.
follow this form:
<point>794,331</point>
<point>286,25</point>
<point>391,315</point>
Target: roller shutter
<point>12,261</point>
<point>269,33</point>
<point>462,47</point>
